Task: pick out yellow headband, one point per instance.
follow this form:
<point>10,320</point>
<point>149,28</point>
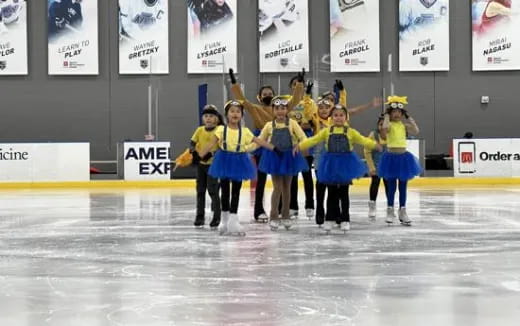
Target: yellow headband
<point>397,99</point>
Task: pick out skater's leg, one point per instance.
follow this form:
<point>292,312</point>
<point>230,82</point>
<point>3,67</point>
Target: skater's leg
<point>286,195</point>
<point>294,194</point>
<point>259,193</point>
<point>276,196</point>
<point>213,188</point>
<point>374,187</point>
<point>202,173</point>
<point>235,196</point>
<point>345,203</point>
<point>320,202</point>
<point>392,188</point>
<point>224,199</point>
<point>308,185</point>
<point>403,185</point>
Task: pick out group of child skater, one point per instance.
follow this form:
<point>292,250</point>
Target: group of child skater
<point>293,132</point>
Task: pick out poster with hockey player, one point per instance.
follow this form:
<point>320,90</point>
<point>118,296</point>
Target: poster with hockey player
<point>424,35</point>
<point>354,35</point>
<point>72,37</point>
<point>212,36</point>
<point>13,37</point>
<point>283,27</point>
<point>496,40</point>
<point>143,37</point>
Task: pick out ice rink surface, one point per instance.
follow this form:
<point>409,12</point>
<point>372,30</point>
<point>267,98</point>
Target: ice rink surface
<point>133,258</point>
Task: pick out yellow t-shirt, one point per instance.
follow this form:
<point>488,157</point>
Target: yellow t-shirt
<point>232,139</point>
<point>297,134</point>
<point>202,138</point>
<point>354,137</point>
<point>396,136</point>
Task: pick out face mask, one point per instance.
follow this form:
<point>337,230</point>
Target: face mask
<point>267,100</point>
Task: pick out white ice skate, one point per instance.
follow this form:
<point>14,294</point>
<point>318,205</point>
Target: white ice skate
<point>234,227</point>
<point>262,218</point>
<point>223,226</point>
<point>327,227</point>
<point>309,212</point>
<point>274,225</point>
<point>287,224</point>
<point>345,226</point>
<point>372,210</point>
<point>403,217</point>
<point>390,215</point>
<point>293,213</point>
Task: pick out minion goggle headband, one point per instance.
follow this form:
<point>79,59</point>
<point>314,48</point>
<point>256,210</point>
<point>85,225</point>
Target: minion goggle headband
<point>324,102</point>
<point>234,103</point>
<point>340,107</point>
<point>395,105</point>
<point>280,102</point>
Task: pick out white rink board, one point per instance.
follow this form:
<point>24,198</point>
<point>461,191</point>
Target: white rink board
<point>499,157</point>
<point>44,162</point>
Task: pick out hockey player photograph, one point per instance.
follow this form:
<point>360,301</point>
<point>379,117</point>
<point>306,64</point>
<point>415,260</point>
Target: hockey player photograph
<point>12,12</point>
<point>143,36</point>
<point>13,37</point>
<point>64,17</point>
<point>347,14</point>
<point>490,14</point>
<point>495,25</point>
<point>424,35</point>
<point>72,37</point>
<point>212,35</point>
<point>354,35</point>
<point>283,33</point>
<point>415,15</point>
<point>206,15</point>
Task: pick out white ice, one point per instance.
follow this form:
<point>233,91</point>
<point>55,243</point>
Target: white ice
<point>133,258</point>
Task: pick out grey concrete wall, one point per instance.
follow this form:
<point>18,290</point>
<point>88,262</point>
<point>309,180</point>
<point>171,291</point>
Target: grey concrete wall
<point>108,108</point>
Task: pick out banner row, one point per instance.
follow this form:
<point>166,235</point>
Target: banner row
<point>283,33</point>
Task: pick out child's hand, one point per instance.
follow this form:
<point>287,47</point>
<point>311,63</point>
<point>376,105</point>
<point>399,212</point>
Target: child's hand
<point>277,151</point>
<point>308,90</point>
<point>376,102</point>
<point>196,157</point>
<point>296,150</point>
<point>207,157</point>
<point>379,148</point>
<point>301,76</point>
<point>232,76</point>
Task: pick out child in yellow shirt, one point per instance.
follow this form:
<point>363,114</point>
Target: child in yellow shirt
<point>232,164</point>
<point>373,158</point>
<point>282,165</point>
<point>339,165</point>
<point>397,164</point>
<point>205,182</point>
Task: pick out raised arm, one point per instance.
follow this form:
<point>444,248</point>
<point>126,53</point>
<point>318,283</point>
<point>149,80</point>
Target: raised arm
<point>211,144</point>
<point>411,126</point>
<point>376,102</point>
<point>368,155</point>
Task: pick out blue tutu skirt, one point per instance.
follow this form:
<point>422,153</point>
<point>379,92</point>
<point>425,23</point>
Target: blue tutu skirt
<point>233,166</point>
<point>402,166</point>
<point>340,168</point>
<point>285,164</point>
